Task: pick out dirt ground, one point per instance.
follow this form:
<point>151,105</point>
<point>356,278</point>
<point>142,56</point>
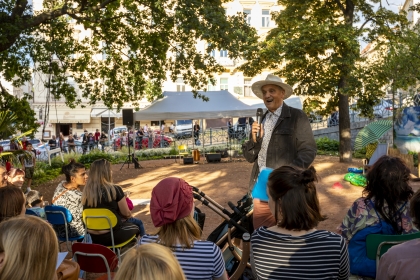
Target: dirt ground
<point>227,181</point>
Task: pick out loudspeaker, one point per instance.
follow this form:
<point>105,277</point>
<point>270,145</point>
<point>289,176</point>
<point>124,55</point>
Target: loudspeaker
<point>188,160</point>
<point>127,115</point>
<point>213,157</point>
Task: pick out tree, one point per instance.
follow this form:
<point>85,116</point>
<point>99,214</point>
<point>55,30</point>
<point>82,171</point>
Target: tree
<point>315,46</point>
<point>15,115</point>
<point>133,38</point>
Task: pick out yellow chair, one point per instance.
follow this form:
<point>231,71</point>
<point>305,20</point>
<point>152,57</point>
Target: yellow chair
<point>183,150</point>
<point>104,219</point>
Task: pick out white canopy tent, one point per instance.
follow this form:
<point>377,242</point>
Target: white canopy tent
<point>182,105</point>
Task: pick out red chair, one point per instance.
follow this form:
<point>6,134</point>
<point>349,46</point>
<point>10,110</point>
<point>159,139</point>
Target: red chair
<point>95,258</point>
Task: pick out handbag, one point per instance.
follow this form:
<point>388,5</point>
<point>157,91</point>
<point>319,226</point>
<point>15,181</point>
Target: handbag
<point>68,270</point>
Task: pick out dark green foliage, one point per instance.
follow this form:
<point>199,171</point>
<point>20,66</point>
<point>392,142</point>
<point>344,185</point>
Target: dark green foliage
<point>326,144</point>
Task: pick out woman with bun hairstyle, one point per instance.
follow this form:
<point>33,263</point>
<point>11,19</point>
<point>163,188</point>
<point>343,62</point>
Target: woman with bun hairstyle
<point>172,210</point>
<point>150,262</point>
<point>28,249</point>
<point>294,248</point>
<point>69,195</point>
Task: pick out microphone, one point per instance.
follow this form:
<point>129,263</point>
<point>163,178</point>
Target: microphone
<point>259,119</point>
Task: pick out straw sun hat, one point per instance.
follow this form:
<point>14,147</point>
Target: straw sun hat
<point>271,80</point>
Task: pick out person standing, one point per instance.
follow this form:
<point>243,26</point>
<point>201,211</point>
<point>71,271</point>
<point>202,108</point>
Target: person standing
<point>70,143</point>
<point>85,141</point>
<point>103,140</point>
<point>140,138</point>
<point>285,138</point>
<point>196,132</point>
<point>97,136</point>
<point>28,165</point>
<point>151,137</point>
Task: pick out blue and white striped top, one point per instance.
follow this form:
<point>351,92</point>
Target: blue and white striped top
<point>317,255</point>
<point>203,261</point>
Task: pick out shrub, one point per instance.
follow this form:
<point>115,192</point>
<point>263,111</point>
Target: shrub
<point>326,144</point>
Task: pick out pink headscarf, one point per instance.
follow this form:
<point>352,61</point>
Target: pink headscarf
<point>172,199</point>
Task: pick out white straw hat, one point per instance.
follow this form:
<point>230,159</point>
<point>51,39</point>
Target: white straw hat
<point>271,80</point>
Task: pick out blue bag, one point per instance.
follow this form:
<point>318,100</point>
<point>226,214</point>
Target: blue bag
<point>260,188</point>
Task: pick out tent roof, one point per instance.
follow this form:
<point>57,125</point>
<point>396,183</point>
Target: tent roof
<point>182,105</point>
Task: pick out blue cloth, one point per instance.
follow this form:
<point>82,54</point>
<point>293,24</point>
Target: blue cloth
<point>260,188</point>
<point>138,223</point>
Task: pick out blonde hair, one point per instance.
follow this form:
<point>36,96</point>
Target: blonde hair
<point>24,256</point>
<point>150,262</point>
<point>183,231</point>
<point>99,181</point>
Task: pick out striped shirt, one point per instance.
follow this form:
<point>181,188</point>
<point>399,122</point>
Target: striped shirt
<point>203,261</point>
<point>317,255</point>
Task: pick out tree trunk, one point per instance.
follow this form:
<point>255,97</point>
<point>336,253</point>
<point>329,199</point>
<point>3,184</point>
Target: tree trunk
<point>344,126</point>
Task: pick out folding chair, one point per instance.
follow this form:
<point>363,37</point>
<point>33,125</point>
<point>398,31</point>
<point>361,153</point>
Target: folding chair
<point>183,150</point>
<point>381,150</point>
<point>59,215</point>
<point>30,212</point>
<point>104,219</point>
<point>95,258</point>
<point>379,244</point>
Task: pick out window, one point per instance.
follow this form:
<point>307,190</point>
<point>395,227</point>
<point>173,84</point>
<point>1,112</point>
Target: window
<point>224,83</point>
<point>265,18</point>
<point>79,126</point>
<point>247,87</point>
<point>156,123</point>
<point>211,87</point>
<point>248,16</point>
<point>238,90</point>
<point>223,53</point>
<point>180,87</point>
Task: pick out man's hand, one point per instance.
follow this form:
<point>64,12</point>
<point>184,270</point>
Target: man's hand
<point>255,128</point>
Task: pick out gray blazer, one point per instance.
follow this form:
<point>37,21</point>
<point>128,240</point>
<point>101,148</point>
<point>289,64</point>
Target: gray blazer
<point>292,143</point>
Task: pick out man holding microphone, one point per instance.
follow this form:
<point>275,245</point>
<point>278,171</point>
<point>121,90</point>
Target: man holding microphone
<point>281,136</point>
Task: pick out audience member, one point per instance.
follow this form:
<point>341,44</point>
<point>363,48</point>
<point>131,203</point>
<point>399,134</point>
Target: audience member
<point>28,249</point>
<point>85,141</point>
<point>12,203</point>
<point>3,176</point>
<point>100,192</point>
<point>150,262</point>
<point>68,195</point>
<point>14,146</point>
<point>103,138</point>
<point>71,144</point>
<point>97,136</point>
<point>294,247</point>
<point>52,142</point>
<point>28,165</point>
<point>35,203</point>
<point>91,141</point>
<point>172,209</point>
<point>403,261</point>
<point>16,177</point>
<point>384,210</point>
<point>24,142</point>
<point>62,142</point>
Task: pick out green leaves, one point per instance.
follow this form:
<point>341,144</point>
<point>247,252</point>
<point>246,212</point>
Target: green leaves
<point>126,46</point>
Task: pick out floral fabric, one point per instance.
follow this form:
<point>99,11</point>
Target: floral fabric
<point>360,216</point>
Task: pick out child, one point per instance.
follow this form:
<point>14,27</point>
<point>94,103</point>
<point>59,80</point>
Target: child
<point>35,203</point>
<point>29,166</point>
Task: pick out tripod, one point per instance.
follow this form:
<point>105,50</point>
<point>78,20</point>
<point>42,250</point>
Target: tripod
<point>131,158</point>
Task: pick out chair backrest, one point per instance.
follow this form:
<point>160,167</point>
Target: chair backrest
<point>30,212</point>
<point>182,148</point>
<point>56,214</point>
<point>94,258</point>
<point>381,150</point>
<point>99,219</point>
<point>374,240</point>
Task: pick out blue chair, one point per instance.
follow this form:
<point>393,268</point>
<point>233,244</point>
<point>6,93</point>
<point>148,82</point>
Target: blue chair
<point>59,215</point>
<point>30,212</point>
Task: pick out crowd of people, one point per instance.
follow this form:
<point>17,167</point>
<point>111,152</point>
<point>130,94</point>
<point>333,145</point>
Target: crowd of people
<point>285,242</point>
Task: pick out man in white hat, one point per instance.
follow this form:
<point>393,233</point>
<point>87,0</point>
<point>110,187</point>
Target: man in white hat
<point>286,138</point>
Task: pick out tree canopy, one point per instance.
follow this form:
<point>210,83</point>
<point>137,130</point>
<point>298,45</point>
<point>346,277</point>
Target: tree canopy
<point>316,47</point>
<point>126,54</point>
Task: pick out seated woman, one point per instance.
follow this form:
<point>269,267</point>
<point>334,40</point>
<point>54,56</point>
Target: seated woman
<point>28,249</point>
<point>403,261</point>
<point>172,210</point>
<point>150,262</point>
<point>294,248</point>
<point>100,192</point>
<point>69,195</point>
<point>384,209</point>
<point>12,203</point>
<point>16,177</point>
